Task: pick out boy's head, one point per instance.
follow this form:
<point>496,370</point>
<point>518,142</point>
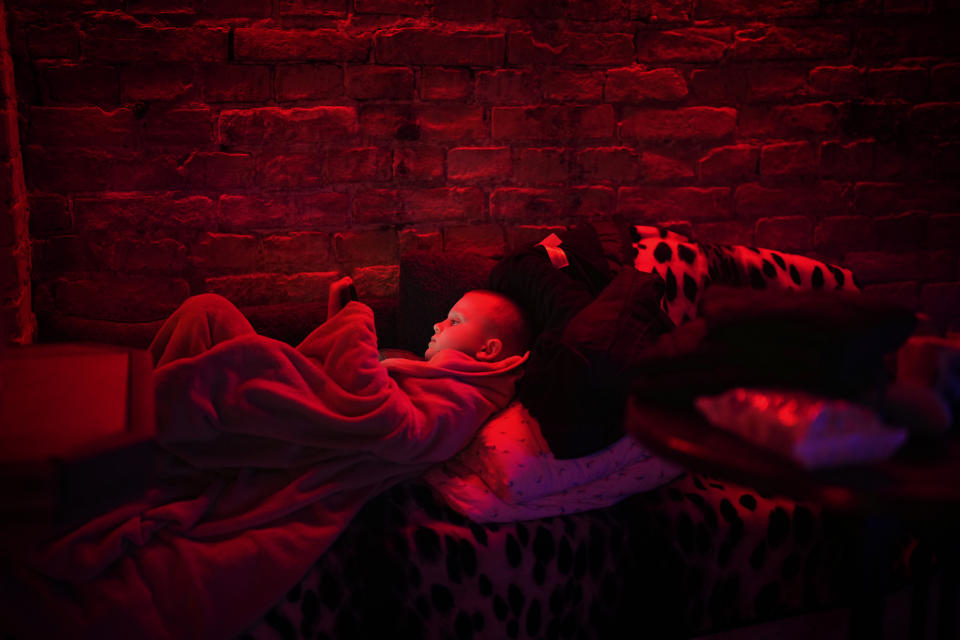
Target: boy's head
<point>485,325</point>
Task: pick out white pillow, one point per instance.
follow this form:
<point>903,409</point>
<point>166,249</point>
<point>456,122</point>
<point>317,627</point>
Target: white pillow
<point>511,458</point>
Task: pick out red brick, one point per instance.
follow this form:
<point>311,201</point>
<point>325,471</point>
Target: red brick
<point>483,239</point>
<point>776,84</point>
<point>368,82</point>
<point>416,240</point>
<point>121,299</point>
<point>786,233</point>
<point>135,212</point>
<point>396,7</point>
<point>890,197</point>
<point>438,83</point>
<point>674,203</point>
<point>281,45</point>
<point>238,8</point>
<point>901,232</point>
<point>940,301</point>
<point>945,81</point>
<point>552,122</point>
<point>609,164</point>
<point>451,122</point>
<point>124,42</point>
<point>292,170</point>
<point>257,289</point>
<point>656,169</point>
<point>722,86</point>
<point>728,232</point>
<point>525,204</point>
<point>946,160</point>
<point>165,82</point>
<point>847,160</point>
<point>478,164</point>
<point>379,281</point>
<point>784,43</point>
<point>571,85</point>
<point>321,209</point>
<point>788,160</point>
<point>84,170</point>
<point>81,126</point>
<point>905,83</point>
<point>273,126</point>
<point>439,47</point>
<point>359,164</point>
<point>636,84</point>
<point>81,83</point>
<point>53,41</point>
<point>837,82</point>
<point>936,119</point>
<point>883,119</point>
<point>240,214</point>
<point>378,206</point>
<point>390,121</point>
<point>756,201</point>
<point>314,8</point>
<point>507,86</point>
<point>761,9</point>
<point>904,6</point>
<point>220,170</point>
<point>132,254</point>
<point>844,233</point>
<point>193,127</point>
<point>543,166</point>
<point>696,44</point>
<point>661,11</point>
<point>568,48</point>
<point>309,82</point>
<point>686,123</point>
<point>904,39</point>
<point>366,247</point>
<point>881,266</point>
<point>59,256</point>
<point>223,252</point>
<point>729,164</point>
<point>236,83</point>
<point>48,214</point>
<point>423,205</point>
<point>944,231</point>
<point>418,164</point>
<point>790,120</point>
<point>459,10</point>
<point>297,252</point>
<point>893,162</point>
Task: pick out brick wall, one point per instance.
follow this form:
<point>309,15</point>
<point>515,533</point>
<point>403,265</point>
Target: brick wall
<point>257,148</point>
<point>17,323</point>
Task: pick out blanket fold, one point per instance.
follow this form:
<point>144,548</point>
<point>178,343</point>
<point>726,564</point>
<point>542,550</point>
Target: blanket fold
<point>282,447</point>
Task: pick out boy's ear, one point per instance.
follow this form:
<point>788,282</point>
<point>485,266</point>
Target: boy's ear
<point>490,350</point>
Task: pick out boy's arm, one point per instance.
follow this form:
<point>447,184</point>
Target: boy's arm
<point>341,292</point>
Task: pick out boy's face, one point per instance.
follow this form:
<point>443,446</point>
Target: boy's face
<point>467,328</point>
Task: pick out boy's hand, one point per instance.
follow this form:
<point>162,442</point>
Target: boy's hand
<point>341,292</point>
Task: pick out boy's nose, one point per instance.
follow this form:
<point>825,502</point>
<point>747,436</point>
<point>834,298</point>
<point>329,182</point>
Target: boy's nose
<point>436,328</point>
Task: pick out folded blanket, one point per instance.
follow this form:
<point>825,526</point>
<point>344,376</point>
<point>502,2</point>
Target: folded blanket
<point>282,448</point>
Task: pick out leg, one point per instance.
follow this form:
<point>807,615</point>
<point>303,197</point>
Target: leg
<point>199,323</point>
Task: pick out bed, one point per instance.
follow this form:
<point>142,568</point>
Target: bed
<point>458,553</point>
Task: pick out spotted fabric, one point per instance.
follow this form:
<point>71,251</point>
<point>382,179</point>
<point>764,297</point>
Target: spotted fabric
<point>687,268</point>
<point>695,555</point>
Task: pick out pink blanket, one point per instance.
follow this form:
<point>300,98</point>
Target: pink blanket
<point>284,446</point>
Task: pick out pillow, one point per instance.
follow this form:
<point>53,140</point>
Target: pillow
<point>511,457</point>
<point>508,474</point>
<point>430,283</point>
<point>688,267</point>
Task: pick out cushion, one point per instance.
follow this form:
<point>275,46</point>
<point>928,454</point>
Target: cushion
<point>509,469</point>
<point>688,267</point>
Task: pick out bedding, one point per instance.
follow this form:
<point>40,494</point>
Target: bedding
<point>285,446</point>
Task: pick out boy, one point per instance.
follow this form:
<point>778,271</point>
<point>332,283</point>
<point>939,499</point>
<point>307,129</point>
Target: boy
<point>275,449</point>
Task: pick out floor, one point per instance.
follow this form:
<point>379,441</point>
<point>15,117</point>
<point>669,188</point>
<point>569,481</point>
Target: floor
<point>833,624</point>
